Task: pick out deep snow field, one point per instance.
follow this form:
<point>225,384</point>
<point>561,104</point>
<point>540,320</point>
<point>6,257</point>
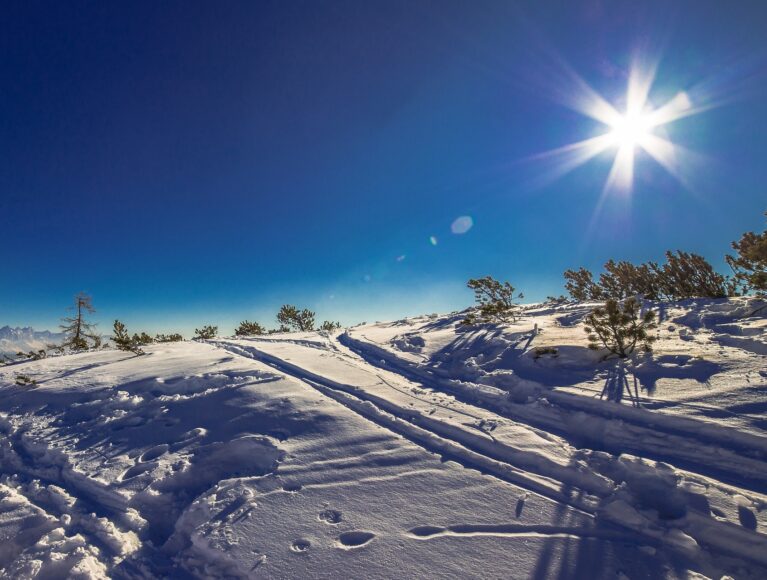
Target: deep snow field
<point>410,449</point>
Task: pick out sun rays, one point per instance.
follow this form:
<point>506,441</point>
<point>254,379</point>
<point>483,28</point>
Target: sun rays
<point>638,127</point>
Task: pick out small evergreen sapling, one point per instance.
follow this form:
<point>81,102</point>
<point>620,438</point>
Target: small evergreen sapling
<point>123,341</point>
<point>291,317</point>
<point>620,328</point>
<point>330,326</point>
<point>206,332</point>
<point>247,328</point>
<point>495,301</point>
<point>143,339</point>
<point>175,337</point>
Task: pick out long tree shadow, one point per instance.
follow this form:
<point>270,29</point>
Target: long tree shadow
<point>617,385</point>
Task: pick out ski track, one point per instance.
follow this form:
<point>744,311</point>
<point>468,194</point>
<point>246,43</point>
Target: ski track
<point>742,454</point>
<point>471,450</point>
<point>560,446</point>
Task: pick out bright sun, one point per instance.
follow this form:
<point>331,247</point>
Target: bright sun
<point>631,130</point>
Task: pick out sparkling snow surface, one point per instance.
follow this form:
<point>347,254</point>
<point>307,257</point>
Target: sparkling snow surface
<point>412,449</point>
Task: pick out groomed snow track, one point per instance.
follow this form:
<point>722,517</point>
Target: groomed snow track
<point>588,481</point>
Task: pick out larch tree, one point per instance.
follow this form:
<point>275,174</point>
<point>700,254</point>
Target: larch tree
<point>77,330</point>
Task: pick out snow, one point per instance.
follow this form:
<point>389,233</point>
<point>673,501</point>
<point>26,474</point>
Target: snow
<point>416,448</point>
<point>14,340</point>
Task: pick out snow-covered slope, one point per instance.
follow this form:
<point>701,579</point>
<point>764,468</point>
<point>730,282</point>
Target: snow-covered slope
<point>412,449</point>
<point>13,340</point>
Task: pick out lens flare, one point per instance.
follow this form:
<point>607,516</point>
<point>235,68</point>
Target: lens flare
<point>462,224</point>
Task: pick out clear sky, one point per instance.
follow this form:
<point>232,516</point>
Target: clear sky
<point>204,162</point>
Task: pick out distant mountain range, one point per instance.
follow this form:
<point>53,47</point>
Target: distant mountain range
<point>13,340</point>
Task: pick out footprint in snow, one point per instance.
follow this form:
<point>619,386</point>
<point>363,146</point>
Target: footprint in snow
<point>330,516</point>
<point>355,539</point>
<point>300,545</point>
<point>292,486</point>
<point>154,452</point>
<point>137,470</point>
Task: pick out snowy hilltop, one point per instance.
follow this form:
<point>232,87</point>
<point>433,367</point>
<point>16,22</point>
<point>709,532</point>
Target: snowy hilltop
<point>417,448</point>
<point>13,340</point>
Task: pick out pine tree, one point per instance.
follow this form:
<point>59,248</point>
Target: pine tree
<point>687,275</point>
<point>291,317</point>
<point>247,328</point>
<point>330,326</point>
<point>623,279</point>
<point>142,339</point>
<point>750,265</point>
<point>495,301</point>
<point>206,332</point>
<point>77,331</point>
<point>175,337</point>
<point>581,286</point>
<point>620,328</point>
<point>123,341</point>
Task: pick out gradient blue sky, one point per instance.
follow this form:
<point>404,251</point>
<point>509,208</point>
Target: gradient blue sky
<point>205,162</point>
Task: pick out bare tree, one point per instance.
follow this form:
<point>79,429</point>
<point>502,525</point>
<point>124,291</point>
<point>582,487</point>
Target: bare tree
<point>77,331</point>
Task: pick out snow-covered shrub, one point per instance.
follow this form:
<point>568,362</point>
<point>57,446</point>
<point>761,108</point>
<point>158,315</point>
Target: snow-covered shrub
<point>620,328</point>
<point>495,300</point>
<point>206,332</point>
<point>247,328</point>
<point>293,318</point>
<point>750,265</point>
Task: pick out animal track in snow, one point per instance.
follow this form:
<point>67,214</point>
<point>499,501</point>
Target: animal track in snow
<point>355,539</point>
<point>330,516</point>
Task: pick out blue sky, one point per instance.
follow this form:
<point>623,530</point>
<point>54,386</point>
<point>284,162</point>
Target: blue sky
<point>190,163</point>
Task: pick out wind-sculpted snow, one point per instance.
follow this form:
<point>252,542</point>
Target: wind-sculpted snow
<point>420,448</point>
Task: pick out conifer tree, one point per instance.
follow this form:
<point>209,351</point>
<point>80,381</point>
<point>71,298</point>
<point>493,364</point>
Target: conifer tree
<point>247,328</point>
<point>623,279</point>
<point>206,332</point>
<point>750,265</point>
<point>175,337</point>
<point>124,341</point>
<point>687,275</point>
<point>495,301</point>
<point>330,326</point>
<point>620,328</point>
<point>142,339</point>
<point>291,317</point>
<point>581,286</point>
<point>77,330</point>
